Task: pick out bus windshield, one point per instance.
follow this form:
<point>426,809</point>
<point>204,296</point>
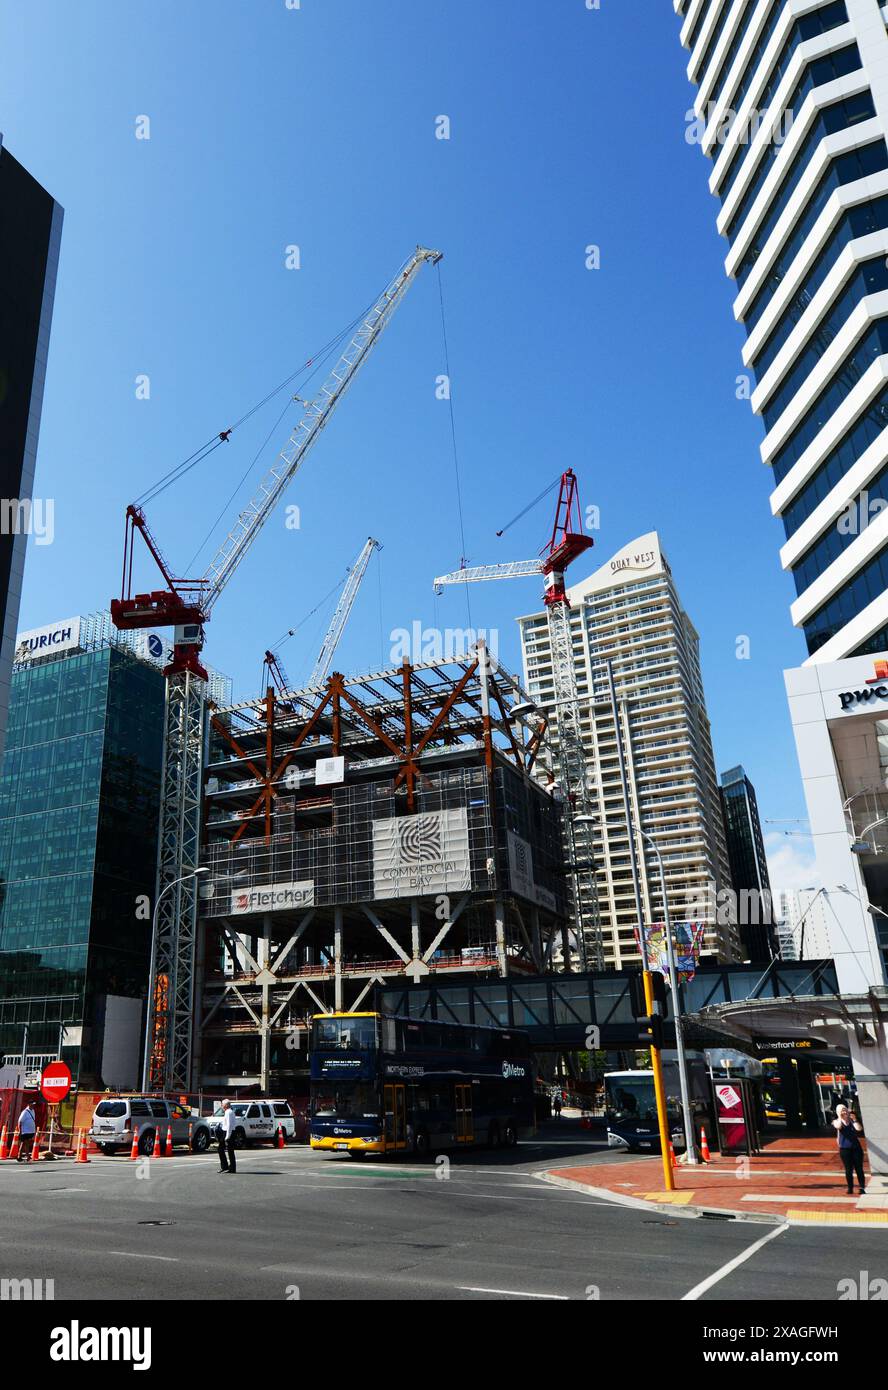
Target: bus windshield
<point>347,1033</point>
<point>631,1099</point>
<point>355,1100</point>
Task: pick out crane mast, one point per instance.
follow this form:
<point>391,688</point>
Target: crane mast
<point>187,605</point>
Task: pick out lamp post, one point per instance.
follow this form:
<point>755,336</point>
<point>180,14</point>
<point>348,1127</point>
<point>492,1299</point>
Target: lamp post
<point>687,1113</point>
<point>192,873</point>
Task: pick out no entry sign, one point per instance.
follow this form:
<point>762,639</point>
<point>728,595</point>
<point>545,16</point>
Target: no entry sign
<point>55,1082</point>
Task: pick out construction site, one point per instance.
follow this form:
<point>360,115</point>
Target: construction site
<point>317,843</point>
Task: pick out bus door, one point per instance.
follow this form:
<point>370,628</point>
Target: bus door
<point>465,1129</point>
<point>395,1107</point>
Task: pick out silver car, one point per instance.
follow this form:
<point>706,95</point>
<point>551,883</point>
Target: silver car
<point>117,1117</point>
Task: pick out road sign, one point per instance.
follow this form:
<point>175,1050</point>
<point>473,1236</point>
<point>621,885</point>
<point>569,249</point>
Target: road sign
<point>55,1082</point>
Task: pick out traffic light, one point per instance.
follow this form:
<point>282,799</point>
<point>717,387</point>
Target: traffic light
<point>650,1026</point>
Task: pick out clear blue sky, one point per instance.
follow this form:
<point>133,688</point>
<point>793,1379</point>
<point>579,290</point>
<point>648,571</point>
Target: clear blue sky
<point>273,126</point>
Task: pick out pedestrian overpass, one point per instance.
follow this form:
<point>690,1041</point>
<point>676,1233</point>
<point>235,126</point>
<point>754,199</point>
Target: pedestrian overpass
<point>557,1011</point>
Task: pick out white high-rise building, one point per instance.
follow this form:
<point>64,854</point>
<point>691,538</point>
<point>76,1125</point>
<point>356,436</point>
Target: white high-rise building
<point>792,114</point>
<point>629,612</point>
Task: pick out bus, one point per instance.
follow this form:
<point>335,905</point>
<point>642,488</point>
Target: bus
<point>631,1106</point>
<point>383,1084</point>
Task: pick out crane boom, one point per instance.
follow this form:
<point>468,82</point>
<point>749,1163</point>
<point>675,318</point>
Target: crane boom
<point>513,569</point>
<point>243,533</point>
<point>343,609</point>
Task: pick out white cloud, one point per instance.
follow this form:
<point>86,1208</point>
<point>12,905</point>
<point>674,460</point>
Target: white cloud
<point>791,862</point>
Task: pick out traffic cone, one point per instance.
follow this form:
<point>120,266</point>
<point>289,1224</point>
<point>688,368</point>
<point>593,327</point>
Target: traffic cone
<point>4,1146</point>
<point>168,1151</point>
<point>190,1130</point>
<point>281,1141</point>
<point>158,1151</point>
<point>14,1151</point>
<point>82,1155</point>
<point>673,1161</point>
<point>134,1151</point>
<point>704,1146</point>
<point>35,1147</point>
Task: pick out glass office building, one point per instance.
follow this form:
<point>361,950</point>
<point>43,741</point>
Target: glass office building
<point>792,114</point>
<point>30,234</point>
<point>749,866</point>
<point>79,805</point>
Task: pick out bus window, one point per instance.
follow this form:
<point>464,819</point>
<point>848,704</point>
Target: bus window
<point>352,1034</point>
<point>355,1100</point>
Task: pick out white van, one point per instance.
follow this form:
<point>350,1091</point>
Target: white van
<point>257,1121</point>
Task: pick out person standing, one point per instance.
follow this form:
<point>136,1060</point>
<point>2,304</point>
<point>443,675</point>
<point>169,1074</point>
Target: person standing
<point>556,1106</point>
<point>27,1124</point>
<point>848,1130</point>
<point>225,1133</point>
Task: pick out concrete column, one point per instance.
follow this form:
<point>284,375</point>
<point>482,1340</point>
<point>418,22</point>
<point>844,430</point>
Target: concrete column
<point>536,935</point>
<point>337,957</point>
<point>263,956</point>
<point>871,1074</point>
<point>415,948</point>
<point>499,911</point>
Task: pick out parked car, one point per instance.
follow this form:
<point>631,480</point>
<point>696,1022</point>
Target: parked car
<point>116,1117</point>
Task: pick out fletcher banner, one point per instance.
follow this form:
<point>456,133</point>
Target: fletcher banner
<point>421,855</point>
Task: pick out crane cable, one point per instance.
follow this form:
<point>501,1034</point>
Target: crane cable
<point>530,506</point>
<point>462,529</point>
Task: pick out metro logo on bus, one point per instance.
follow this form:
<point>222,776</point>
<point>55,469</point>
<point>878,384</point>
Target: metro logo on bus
<point>510,1069</point>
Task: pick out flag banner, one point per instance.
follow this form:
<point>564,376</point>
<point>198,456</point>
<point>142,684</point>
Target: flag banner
<point>687,938</point>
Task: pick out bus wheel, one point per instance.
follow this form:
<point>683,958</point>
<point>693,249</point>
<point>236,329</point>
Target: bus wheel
<point>421,1144</point>
<point>493,1137</point>
<point>510,1137</point>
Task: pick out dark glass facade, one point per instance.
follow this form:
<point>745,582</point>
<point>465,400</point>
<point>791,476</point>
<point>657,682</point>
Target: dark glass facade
<point>79,806</point>
<point>30,231</point>
<point>749,866</point>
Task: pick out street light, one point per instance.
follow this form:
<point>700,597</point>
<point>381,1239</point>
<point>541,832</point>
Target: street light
<point>690,1147</point>
<point>192,873</point>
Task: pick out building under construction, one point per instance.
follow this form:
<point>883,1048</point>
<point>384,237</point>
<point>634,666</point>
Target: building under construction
<point>378,827</point>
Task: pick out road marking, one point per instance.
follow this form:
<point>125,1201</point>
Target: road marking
<point>793,1197</point>
<point>513,1293</point>
<point>677,1199</point>
<point>699,1289</point>
<point>133,1255</point>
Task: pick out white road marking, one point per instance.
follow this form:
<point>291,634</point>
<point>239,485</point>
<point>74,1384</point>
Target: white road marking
<point>513,1293</point>
<point>699,1289</point>
<point>792,1199</point>
<point>133,1255</point>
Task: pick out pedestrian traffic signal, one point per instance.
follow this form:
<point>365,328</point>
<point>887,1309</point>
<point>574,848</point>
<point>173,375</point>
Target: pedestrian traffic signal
<point>650,1026</point>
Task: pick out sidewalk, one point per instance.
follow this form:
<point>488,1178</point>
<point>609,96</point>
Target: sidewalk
<point>796,1179</point>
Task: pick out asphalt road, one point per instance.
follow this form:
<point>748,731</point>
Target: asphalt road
<point>296,1224</point>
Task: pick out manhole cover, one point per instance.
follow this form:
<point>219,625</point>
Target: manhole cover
<point>156,1223</point>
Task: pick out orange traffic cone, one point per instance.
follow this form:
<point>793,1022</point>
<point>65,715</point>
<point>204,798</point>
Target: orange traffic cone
<point>35,1148</point>
<point>673,1161</point>
<point>168,1151</point>
<point>16,1139</point>
<point>82,1155</point>
<point>704,1146</point>
<point>190,1129</point>
<point>134,1151</point>
<point>4,1146</point>
<point>281,1141</point>
<point>158,1151</point>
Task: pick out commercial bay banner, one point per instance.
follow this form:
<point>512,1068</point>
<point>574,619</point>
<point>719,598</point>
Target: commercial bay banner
<point>422,854</point>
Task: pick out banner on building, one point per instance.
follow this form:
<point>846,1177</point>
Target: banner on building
<point>41,641</point>
<point>687,938</point>
<point>273,897</point>
<point>521,876</point>
<point>421,855</point>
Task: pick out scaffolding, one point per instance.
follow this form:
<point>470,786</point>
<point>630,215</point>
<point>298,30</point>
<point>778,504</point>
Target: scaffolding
<point>384,826</point>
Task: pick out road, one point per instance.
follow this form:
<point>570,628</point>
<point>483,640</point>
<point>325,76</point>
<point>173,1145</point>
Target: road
<point>296,1224</point>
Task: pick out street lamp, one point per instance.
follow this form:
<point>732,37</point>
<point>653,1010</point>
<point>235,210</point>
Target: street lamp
<point>690,1147</point>
<point>192,873</point>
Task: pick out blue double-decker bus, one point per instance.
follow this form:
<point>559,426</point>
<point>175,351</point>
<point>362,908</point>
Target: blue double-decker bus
<point>381,1084</point>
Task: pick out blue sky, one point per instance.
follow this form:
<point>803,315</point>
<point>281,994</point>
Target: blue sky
<point>315,127</point>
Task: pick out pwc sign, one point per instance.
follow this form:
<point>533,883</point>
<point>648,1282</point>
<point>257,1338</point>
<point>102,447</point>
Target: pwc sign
<point>879,691</point>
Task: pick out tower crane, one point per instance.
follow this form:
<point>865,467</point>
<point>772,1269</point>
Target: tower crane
<point>565,544</point>
<point>186,605</point>
<point>353,582</point>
